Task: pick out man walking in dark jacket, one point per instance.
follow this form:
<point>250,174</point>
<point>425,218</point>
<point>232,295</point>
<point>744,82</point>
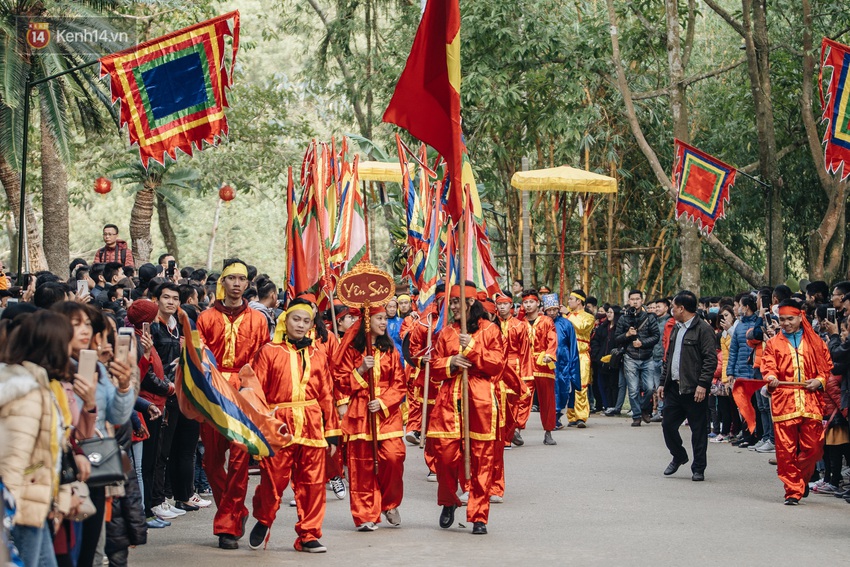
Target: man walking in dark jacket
<point>637,332</point>
<point>688,371</point>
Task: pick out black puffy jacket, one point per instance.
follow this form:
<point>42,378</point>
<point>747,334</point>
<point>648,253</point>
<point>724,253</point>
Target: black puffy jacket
<point>127,526</point>
<point>648,333</point>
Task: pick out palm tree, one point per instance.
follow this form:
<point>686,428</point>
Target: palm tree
<point>155,185</point>
<point>76,97</point>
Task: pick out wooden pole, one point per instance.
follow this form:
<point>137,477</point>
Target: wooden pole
<point>373,420</point>
<point>423,429</point>
<point>464,387</point>
<point>212,235</point>
<point>525,227</point>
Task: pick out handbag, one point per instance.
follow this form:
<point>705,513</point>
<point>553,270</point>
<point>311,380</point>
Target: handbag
<point>106,458</point>
<point>86,508</point>
<point>616,357</point>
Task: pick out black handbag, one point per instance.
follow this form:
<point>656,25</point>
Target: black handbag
<point>107,461</point>
<point>616,357</point>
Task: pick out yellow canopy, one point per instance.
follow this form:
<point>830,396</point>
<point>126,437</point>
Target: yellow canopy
<point>563,178</point>
<point>380,171</point>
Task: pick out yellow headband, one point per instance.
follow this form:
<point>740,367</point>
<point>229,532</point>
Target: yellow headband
<point>579,297</point>
<point>235,269</point>
<point>280,326</point>
<point>403,296</point>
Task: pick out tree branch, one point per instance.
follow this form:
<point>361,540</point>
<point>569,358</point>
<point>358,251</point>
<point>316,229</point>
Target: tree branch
<point>753,167</point>
<point>736,25</point>
<point>689,33</point>
<point>653,30</point>
<point>687,81</point>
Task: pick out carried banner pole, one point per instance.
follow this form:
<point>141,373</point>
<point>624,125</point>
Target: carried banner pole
<point>425,390</point>
<point>464,385</point>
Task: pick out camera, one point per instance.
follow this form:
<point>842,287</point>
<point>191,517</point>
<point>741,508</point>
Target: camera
<point>631,312</point>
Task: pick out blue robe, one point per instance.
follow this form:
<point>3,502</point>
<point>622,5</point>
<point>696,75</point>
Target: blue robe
<point>567,368</point>
<point>394,332</point>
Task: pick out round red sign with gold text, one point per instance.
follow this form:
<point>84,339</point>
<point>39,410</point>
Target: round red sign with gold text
<point>365,284</point>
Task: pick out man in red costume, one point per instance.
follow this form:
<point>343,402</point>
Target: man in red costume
<point>234,333</point>
<point>544,346</point>
<point>797,355</point>
<point>517,337</point>
<point>480,352</point>
<point>293,373</point>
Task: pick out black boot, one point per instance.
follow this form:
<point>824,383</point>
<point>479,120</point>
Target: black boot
<point>447,517</point>
<point>479,528</point>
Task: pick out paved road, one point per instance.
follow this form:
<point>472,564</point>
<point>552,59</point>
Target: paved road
<point>597,498</point>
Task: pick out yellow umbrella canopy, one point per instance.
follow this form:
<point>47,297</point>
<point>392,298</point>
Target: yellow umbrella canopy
<point>563,178</point>
<point>380,171</point>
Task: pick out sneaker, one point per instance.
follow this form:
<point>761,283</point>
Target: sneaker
<point>559,426</point>
<point>258,535</point>
<point>367,527</point>
<point>827,489</point>
<point>791,501</point>
<point>768,447</point>
<point>165,512</point>
<point>196,500</point>
<point>393,517</point>
<point>156,523</point>
<point>636,422</point>
<point>571,423</point>
<point>172,509</point>
<point>464,499</point>
<point>312,546</point>
<point>535,409</point>
<point>517,440</point>
<point>227,541</point>
<point>712,435</point>
<point>292,504</point>
<point>413,437</point>
<point>338,486</point>
<point>496,499</point>
<point>186,506</point>
<point>547,439</point>
<point>656,418</point>
<point>508,447</point>
<point>717,439</point>
<point>757,446</point>
<point>431,477</point>
<point>581,424</point>
<point>816,486</point>
<point>612,412</point>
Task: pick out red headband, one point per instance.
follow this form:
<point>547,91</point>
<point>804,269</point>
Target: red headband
<point>470,291</point>
<point>534,295</point>
<point>489,307</point>
<point>502,298</point>
<point>790,310</point>
<point>308,297</point>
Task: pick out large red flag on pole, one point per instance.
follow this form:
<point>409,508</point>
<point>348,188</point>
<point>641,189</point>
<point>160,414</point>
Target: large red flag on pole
<point>426,101</point>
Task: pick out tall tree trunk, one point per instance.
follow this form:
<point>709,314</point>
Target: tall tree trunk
<point>54,199</point>
<point>140,223</point>
<point>168,234</point>
<point>11,181</point>
<point>689,242</point>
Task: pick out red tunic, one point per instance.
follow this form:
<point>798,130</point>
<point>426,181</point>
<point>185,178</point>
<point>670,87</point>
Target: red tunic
<point>782,361</point>
<point>517,336</point>
<point>389,390</point>
<point>486,352</point>
<point>544,340</point>
<point>234,336</point>
<point>296,385</point>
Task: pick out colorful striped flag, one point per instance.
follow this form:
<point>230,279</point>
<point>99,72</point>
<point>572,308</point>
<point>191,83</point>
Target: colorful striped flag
<point>172,88</point>
<point>836,106</point>
<point>349,243</point>
<point>296,264</point>
<point>703,183</point>
<point>205,395</point>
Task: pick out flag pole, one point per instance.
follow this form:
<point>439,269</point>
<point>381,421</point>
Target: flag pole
<point>467,456</point>
<point>373,423</point>
<point>425,390</point>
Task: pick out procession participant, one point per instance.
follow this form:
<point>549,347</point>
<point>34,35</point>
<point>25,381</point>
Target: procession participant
<point>544,343</point>
<point>579,408</point>
<point>480,352</point>
<point>405,305</point>
<point>394,322</point>
<point>509,384</point>
<point>416,354</point>
<point>373,494</point>
<point>293,373</point>
<point>234,333</point>
<point>516,335</point>
<point>796,354</point>
<point>567,372</point>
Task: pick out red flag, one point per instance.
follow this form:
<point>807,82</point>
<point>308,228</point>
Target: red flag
<point>742,391</point>
<point>835,106</point>
<point>703,184</point>
<point>426,101</point>
<point>296,264</point>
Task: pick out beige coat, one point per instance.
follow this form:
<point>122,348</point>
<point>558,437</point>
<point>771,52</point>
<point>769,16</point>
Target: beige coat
<point>32,420</point>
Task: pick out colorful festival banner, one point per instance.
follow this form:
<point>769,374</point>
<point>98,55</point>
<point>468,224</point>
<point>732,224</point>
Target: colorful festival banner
<point>836,106</point>
<point>703,184</point>
<point>172,88</point>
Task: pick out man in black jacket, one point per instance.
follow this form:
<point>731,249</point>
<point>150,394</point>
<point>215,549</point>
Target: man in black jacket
<point>637,332</point>
<point>688,371</point>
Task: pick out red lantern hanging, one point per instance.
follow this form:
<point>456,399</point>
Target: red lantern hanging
<point>102,185</point>
<point>226,193</point>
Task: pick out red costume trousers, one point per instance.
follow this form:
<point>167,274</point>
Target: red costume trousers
<point>230,486</point>
<point>305,466</point>
<point>546,401</point>
<point>523,406</point>
<point>414,414</point>
<point>369,494</point>
<point>799,446</point>
<point>449,454</point>
<point>498,484</point>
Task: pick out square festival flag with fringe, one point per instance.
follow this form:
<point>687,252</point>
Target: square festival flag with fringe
<point>703,184</point>
<point>172,88</point>
<point>836,106</point>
